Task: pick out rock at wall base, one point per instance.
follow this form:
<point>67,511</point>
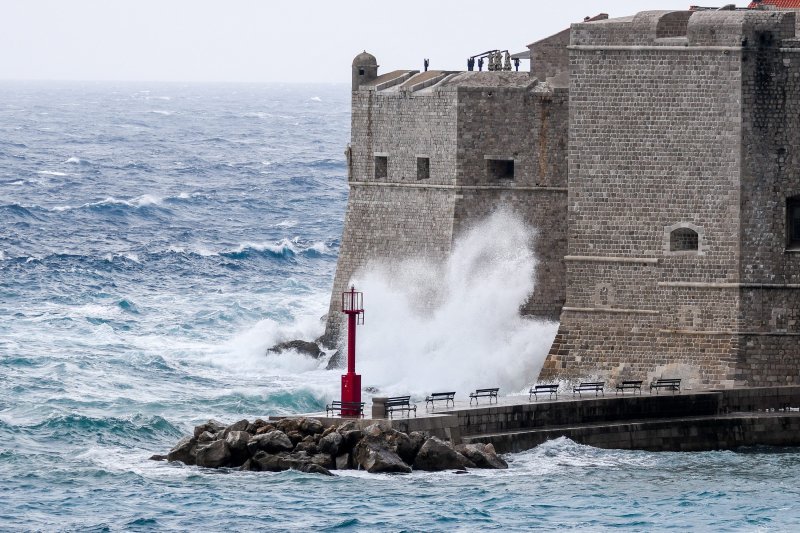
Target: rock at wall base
<point>436,455</point>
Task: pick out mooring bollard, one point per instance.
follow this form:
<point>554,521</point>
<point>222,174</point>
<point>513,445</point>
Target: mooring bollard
<point>379,407</point>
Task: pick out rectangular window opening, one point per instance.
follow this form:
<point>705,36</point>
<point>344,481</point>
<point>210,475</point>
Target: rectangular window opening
<point>381,167</point>
<point>423,168</point>
<point>500,169</point>
<point>793,223</point>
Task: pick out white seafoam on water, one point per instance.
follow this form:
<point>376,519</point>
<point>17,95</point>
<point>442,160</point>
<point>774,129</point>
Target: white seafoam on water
<point>474,336</point>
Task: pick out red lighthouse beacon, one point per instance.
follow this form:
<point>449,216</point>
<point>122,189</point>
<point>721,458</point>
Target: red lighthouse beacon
<point>353,307</point>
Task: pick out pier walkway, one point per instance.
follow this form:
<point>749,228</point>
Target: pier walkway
<point>684,421</point>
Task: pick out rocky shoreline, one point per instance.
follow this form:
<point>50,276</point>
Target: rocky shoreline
<point>306,445</point>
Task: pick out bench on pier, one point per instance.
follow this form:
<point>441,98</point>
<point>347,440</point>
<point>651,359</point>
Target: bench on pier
<point>632,384</point>
<point>542,389</point>
<point>483,393</point>
<point>445,397</point>
<point>589,386</point>
<point>673,384</point>
<point>345,408</point>
<point>400,403</point>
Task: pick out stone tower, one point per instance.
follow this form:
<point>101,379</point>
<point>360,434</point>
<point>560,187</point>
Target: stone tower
<point>365,69</point>
<point>684,200</point>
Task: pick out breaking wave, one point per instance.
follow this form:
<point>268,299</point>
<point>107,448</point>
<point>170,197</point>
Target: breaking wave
<point>455,324</point>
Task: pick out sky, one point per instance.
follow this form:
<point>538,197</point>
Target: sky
<point>272,41</point>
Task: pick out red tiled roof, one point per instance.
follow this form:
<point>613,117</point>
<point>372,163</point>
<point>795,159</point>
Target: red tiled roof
<point>785,4</point>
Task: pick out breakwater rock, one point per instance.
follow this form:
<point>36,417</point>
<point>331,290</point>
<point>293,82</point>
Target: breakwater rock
<point>306,445</point>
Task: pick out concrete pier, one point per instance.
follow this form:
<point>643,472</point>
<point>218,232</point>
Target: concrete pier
<point>683,421</point>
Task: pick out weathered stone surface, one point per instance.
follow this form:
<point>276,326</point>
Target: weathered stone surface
<point>289,425</point>
<point>250,466</point>
<point>273,462</point>
<point>437,455</point>
<point>255,425</point>
<point>375,456</point>
<point>265,429</point>
<point>214,455</point>
<point>350,439</point>
<point>212,426</point>
<point>307,445</point>
<point>206,436</point>
<point>158,457</point>
<point>311,426</point>
<point>323,459</point>
<point>185,451</point>
<point>300,346</point>
<point>274,441</point>
<point>483,455</point>
<point>241,425</point>
<point>343,461</point>
<point>237,442</point>
<point>295,437</point>
<point>330,443</point>
<point>313,468</point>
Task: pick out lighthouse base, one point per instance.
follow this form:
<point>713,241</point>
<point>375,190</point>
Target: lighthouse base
<point>351,392</point>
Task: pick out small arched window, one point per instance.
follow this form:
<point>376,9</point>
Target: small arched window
<point>684,240</point>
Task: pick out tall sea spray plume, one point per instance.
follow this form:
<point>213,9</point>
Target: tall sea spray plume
<point>455,324</point>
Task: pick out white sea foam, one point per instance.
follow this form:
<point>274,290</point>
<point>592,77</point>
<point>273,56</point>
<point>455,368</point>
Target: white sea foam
<point>2,255</point>
<point>280,247</point>
<point>471,334</point>
<point>286,224</point>
<point>315,99</point>
<point>18,182</point>
<point>162,112</point>
<point>74,160</point>
<point>54,172</point>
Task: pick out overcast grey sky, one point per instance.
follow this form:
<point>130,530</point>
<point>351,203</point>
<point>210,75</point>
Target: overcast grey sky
<point>271,41</point>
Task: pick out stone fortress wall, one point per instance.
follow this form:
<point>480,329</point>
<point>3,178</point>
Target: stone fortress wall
<point>465,128</point>
<point>656,156</point>
<point>677,207</point>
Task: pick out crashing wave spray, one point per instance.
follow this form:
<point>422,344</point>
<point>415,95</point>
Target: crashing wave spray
<point>470,334</point>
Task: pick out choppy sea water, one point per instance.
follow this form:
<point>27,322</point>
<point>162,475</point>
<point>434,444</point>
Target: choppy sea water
<point>154,241</point>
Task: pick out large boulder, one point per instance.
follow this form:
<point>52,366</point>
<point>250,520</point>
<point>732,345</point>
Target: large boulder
<point>483,455</point>
<point>268,462</point>
<point>237,442</point>
<point>241,425</point>
<point>185,451</point>
<point>214,455</point>
<point>350,439</point>
<point>343,461</point>
<point>253,428</point>
<point>307,445</point>
<point>313,468</point>
<point>311,349</point>
<point>311,426</point>
<point>376,456</point>
<point>330,443</point>
<point>272,442</point>
<point>323,459</point>
<point>212,426</point>
<point>289,425</point>
<point>437,455</point>
<point>206,437</point>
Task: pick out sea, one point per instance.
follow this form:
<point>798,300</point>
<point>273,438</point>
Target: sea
<point>157,239</point>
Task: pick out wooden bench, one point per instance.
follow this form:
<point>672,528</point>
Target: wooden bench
<point>633,385</point>
<point>673,384</point>
<point>400,403</point>
<point>483,393</point>
<point>345,408</point>
<point>445,397</point>
<point>541,389</point>
<point>589,386</point>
